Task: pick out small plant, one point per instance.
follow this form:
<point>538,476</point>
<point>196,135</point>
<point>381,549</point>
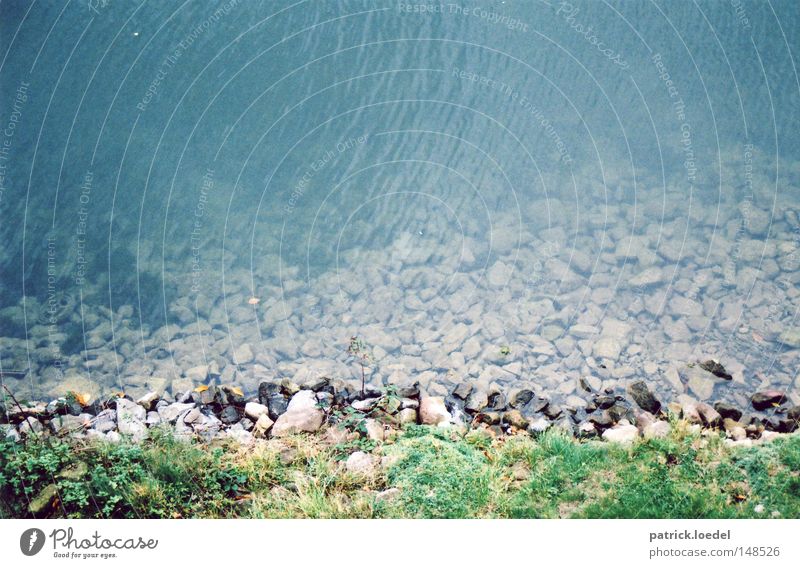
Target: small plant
<point>363,354</point>
<point>505,350</point>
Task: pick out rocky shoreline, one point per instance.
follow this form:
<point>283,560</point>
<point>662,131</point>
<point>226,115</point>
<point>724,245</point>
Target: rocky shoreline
<point>283,407</point>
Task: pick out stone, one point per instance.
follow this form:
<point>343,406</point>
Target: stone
<point>607,348</point>
<point>262,426</point>
<point>197,374</point>
<point>521,397</point>
<point>728,411</point>
<point>701,383</point>
<point>408,416</point>
<point>170,413</point>
<point>586,430</point>
<point>130,419</point>
<point>623,433</point>
<point>433,411</point>
<point>515,419</point>
<point>361,463</point>
<point>243,354</point>
<point>302,415</point>
<point>790,338</point>
<point>763,400</point>
<point>477,401</point>
<point>375,430</point>
<point>365,405</point>
<point>387,494</point>
<point>657,429</point>
<point>148,401</point>
<point>688,408</point>
<point>43,500</point>
<point>269,394</point>
<point>302,400</point>
<point>648,277</point>
<point>463,390</point>
<point>230,415</point>
<point>641,394</point>
<point>30,427</point>
<point>716,369</point>
<point>255,410</point>
<point>538,426</point>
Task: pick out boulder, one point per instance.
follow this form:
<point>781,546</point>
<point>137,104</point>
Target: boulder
<point>763,400</point>
<point>433,411</point>
<point>657,429</point>
<point>728,411</point>
<point>302,415</point>
<point>171,412</point>
<point>262,426</point>
<point>361,463</point>
<point>642,395</point>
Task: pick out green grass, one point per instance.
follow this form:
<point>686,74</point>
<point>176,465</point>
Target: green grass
<point>439,473</point>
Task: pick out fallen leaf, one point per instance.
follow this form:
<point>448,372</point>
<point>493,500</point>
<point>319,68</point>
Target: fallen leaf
<point>201,388</point>
<point>237,391</point>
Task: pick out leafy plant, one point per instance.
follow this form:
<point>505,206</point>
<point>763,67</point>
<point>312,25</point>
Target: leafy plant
<point>363,354</point>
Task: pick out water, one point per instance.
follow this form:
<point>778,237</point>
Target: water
<point>509,193</point>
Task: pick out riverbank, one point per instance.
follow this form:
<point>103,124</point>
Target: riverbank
<point>421,472</point>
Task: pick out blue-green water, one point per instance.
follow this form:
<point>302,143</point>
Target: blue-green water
<point>521,193</point>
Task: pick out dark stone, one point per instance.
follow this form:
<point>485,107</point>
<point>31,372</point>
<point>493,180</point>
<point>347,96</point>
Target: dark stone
<point>269,394</point>
<point>590,407</point>
<point>317,384</point>
<point>767,399</point>
<point>604,402</point>
<point>641,394</point>
<point>488,417</point>
<point>409,392</point>
<point>793,413</point>
<point>716,369</point>
<point>619,411</point>
<point>521,398</point>
<point>498,401</point>
<point>229,415</point>
<point>728,411</point>
<point>602,421</point>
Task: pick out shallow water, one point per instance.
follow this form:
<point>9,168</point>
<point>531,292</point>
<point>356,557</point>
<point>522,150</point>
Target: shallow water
<point>519,193</point>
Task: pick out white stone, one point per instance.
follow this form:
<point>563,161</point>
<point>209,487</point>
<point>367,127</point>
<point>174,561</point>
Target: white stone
<point>255,410</point>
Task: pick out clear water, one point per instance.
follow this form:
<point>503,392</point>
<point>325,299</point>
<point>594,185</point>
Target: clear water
<point>520,193</point>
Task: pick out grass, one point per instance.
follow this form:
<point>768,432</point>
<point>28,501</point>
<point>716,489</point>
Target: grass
<point>435,473</point>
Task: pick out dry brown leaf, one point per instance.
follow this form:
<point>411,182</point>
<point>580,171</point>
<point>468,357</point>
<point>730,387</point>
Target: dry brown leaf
<point>201,388</point>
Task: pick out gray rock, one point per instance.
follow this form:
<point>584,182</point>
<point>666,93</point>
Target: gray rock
<point>361,463</point>
<point>302,415</point>
<point>170,413</point>
<point>130,419</point>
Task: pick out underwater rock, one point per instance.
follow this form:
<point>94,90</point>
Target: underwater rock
<point>790,338</point>
<point>716,369</point>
